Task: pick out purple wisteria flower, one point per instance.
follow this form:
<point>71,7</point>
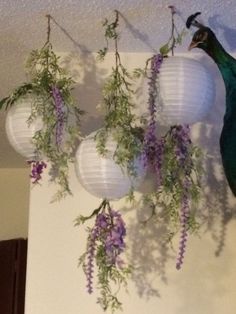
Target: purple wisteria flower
<point>109,232</point>
<point>59,106</point>
<point>36,170</point>
<point>184,215</point>
<point>181,139</point>
<point>114,239</point>
<point>90,258</point>
<point>153,147</point>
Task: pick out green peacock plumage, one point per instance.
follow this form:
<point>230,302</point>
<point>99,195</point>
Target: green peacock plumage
<point>205,39</point>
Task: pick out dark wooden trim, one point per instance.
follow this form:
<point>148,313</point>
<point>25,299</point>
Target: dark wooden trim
<point>13,255</point>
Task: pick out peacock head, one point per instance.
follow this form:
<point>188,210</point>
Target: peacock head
<point>203,39</point>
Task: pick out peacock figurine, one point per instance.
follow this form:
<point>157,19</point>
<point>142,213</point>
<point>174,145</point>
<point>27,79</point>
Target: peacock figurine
<point>205,39</point>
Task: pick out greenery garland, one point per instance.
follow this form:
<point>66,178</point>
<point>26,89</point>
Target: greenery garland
<point>105,245</point>
<point>49,90</point>
<point>119,120</point>
<point>106,238</point>
<point>176,162</point>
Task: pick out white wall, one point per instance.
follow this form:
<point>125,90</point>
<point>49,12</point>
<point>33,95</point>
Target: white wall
<point>207,282</point>
<point>14,209</point>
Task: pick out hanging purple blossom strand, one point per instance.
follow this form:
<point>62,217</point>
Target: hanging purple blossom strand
<point>109,232</point>
<point>174,146</point>
<point>59,106</point>
<point>90,258</point>
<point>114,240</point>
<point>184,215</point>
<point>36,170</point>
<point>181,138</point>
<point>153,148</point>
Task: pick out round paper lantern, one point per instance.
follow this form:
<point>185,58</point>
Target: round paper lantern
<point>19,131</point>
<point>101,176</point>
<point>185,91</point>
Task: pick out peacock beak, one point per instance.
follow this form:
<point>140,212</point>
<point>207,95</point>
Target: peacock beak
<point>194,44</point>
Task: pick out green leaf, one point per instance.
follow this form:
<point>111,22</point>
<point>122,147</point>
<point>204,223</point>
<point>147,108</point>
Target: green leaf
<point>180,37</point>
<point>138,72</point>
<point>102,53</point>
<point>82,219</point>
<point>165,49</point>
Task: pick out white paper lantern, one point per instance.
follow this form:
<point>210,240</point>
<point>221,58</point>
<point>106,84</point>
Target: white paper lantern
<point>186,91</point>
<point>19,131</point>
<point>101,176</point>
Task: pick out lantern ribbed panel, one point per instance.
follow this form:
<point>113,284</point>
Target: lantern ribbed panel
<point>186,90</point>
<point>19,132</point>
<point>101,176</point>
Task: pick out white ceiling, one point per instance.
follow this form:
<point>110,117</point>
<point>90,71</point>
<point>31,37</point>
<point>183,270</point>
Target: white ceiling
<point>144,26</point>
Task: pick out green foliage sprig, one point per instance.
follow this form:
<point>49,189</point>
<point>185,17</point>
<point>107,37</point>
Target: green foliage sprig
<point>110,33</point>
<point>176,37</point>
<point>119,121</point>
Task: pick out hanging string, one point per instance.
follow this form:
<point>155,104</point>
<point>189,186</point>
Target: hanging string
<point>48,16</point>
<point>47,43</point>
<point>172,37</point>
<point>116,40</point>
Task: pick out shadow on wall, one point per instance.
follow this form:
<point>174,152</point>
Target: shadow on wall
<point>138,34</point>
<point>228,33</point>
<point>84,70</point>
<point>149,253</point>
<point>82,66</point>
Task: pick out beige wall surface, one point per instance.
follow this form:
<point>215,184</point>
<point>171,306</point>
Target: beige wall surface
<point>14,208</point>
<point>207,282</point>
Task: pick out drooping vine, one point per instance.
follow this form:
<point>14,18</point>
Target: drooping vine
<point>105,245</point>
<point>49,91</point>
<point>119,120</point>
<point>177,163</point>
